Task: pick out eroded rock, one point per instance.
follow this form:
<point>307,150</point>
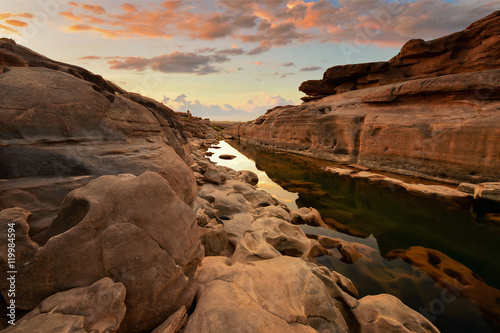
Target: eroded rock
<point>99,308</point>
<point>112,220</point>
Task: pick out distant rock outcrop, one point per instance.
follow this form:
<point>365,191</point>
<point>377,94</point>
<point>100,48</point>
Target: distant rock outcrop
<point>472,50</point>
<point>431,111</point>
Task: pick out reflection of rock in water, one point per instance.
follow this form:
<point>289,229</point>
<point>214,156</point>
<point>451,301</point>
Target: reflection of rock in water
<point>372,274</point>
<point>396,218</point>
<point>227,157</point>
<point>302,187</point>
<point>336,225</point>
<point>454,276</point>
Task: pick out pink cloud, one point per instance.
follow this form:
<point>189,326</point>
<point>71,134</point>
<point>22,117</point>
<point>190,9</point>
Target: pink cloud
<point>266,24</point>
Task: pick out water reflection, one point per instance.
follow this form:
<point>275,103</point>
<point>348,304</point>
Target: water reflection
<point>393,219</point>
<point>241,162</point>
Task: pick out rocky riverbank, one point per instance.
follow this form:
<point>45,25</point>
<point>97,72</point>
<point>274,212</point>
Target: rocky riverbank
<point>120,224</point>
<point>431,111</point>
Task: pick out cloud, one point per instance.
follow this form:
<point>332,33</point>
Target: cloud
<point>70,16</point>
<point>266,24</point>
<point>232,51</point>
<point>9,21</point>
<point>16,23</point>
<point>8,29</point>
<point>4,16</point>
<point>259,50</point>
<point>310,68</point>
<point>129,8</point>
<point>90,58</point>
<point>175,62</point>
<point>249,109</point>
<point>288,64</point>
<point>98,10</point>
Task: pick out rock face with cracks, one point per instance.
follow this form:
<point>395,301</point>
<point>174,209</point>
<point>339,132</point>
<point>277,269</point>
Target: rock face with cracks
<point>432,111</point>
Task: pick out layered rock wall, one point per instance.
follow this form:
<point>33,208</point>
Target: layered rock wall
<point>431,111</point>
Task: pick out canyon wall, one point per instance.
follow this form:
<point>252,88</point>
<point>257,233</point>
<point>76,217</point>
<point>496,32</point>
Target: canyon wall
<point>431,111</point>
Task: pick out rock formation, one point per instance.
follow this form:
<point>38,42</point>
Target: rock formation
<point>431,111</point>
<point>99,232</point>
<point>60,121</point>
<point>120,222</point>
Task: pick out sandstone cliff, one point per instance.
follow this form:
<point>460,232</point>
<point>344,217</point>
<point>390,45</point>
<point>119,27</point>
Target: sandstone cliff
<point>432,111</point>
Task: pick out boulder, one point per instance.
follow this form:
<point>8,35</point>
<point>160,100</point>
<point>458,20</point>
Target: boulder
<point>216,175</point>
<point>258,297</point>
<point>488,191</point>
<point>386,313</point>
<point>98,233</point>
<point>214,240</point>
<point>248,177</point>
<point>309,216</point>
<point>174,323</point>
<point>467,188</point>
<point>99,308</point>
<point>236,297</point>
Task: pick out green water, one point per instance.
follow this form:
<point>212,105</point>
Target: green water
<point>391,219</point>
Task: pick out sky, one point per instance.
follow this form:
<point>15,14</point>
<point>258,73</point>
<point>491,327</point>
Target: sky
<point>227,59</point>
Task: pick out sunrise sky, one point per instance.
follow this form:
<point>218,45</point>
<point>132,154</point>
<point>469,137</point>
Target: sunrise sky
<point>227,59</point>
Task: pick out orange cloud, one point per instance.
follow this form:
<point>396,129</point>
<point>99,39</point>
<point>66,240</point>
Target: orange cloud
<point>10,19</point>
<point>129,8</point>
<point>90,58</point>
<point>8,29</point>
<point>17,23</point>
<point>4,16</point>
<point>172,4</point>
<point>98,10</point>
<point>70,16</point>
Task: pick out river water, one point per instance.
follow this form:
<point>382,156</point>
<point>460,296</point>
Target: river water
<point>390,219</point>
